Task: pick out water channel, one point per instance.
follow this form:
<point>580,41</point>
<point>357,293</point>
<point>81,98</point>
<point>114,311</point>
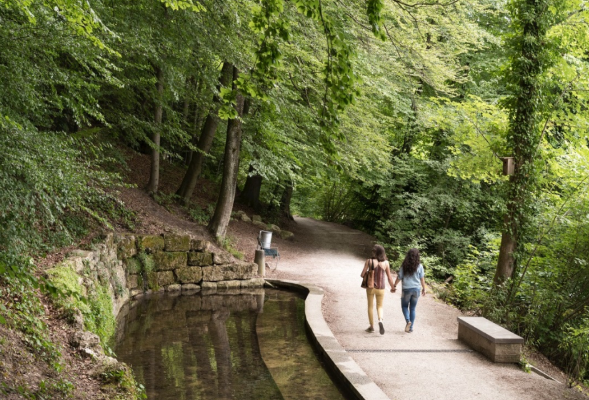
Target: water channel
<point>246,345</point>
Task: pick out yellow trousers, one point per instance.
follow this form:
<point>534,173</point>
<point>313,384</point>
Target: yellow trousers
<point>370,295</point>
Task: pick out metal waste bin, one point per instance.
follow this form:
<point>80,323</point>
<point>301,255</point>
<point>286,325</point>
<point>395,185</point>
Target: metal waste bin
<point>265,239</point>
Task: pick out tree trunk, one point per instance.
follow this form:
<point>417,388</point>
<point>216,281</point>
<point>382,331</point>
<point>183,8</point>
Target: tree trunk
<point>205,142</point>
<point>285,202</point>
<point>220,220</point>
<point>251,190</point>
<point>505,263</point>
<point>154,176</point>
<point>524,134</point>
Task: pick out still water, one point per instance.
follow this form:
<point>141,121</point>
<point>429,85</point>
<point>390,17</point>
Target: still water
<point>245,345</point>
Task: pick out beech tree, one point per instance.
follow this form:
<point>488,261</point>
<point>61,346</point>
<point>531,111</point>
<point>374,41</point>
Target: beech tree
<point>224,207</point>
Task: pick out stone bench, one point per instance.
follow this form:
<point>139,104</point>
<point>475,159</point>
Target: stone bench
<point>490,339</point>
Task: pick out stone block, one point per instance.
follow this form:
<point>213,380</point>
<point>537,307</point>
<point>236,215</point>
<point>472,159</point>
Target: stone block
<point>176,242</point>
<point>74,263</point>
<point>189,274</point>
<point>252,283</point>
<point>221,258</point>
<point>166,261</point>
<point>495,342</point>
<point>274,228</point>
<point>150,243</point>
<point>209,287</point>
<point>245,218</point>
<point>82,253</point>
<point>286,235</point>
<point>135,293</point>
<point>198,259</point>
<point>199,245</point>
<point>260,224</point>
<point>190,287</point>
<point>256,218</point>
<point>165,278</point>
<point>174,287</point>
<point>224,285</point>
<point>228,272</point>
<point>132,281</point>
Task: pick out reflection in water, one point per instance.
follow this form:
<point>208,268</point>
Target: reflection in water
<point>205,347</point>
<point>286,351</point>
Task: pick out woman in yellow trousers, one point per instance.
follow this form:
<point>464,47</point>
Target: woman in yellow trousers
<point>379,264</point>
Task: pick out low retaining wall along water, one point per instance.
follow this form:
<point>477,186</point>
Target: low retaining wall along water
<point>134,265</point>
<point>124,267</point>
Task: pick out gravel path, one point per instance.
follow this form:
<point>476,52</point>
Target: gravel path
<point>331,256</point>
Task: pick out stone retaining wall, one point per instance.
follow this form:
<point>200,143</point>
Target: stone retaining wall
<point>173,262</point>
<point>134,265</point>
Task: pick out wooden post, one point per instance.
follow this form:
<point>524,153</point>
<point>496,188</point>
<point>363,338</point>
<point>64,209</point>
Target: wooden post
<point>260,260</point>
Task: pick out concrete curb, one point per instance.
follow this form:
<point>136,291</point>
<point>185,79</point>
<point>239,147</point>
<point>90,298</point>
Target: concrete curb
<point>356,384</point>
<point>543,374</point>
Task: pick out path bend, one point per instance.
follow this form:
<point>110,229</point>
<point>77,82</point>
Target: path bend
<point>430,363</point>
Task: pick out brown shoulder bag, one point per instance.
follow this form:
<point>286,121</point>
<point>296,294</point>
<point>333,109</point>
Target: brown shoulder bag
<point>368,279</point>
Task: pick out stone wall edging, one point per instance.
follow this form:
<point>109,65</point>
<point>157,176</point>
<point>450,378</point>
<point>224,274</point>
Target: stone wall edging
<point>181,264</point>
<point>349,374</point>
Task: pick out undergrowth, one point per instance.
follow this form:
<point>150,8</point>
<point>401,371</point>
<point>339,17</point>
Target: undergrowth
<point>22,310</point>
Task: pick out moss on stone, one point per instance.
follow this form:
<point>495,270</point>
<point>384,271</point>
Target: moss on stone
<point>189,274</point>
<point>152,281</point>
<point>96,307</point>
<point>199,259</point>
<point>133,265</point>
<point>150,243</point>
<point>177,242</point>
<point>165,278</point>
<point>165,261</point>
<point>126,247</point>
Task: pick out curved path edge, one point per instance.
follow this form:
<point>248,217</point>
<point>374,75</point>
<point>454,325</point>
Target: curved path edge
<point>349,374</point>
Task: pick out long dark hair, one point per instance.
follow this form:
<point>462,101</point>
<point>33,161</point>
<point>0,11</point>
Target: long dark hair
<point>411,262</point>
<point>379,253</point>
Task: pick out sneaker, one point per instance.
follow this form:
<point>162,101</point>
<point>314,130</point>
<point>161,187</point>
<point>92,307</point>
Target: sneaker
<point>410,330</point>
<point>370,329</point>
<point>408,326</point>
<point>381,326</point>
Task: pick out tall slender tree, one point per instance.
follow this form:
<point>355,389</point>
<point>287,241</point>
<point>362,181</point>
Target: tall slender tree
<point>154,176</point>
<point>220,221</point>
<point>205,141</point>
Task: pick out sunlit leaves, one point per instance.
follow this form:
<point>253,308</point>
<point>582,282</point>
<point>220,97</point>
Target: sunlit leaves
<point>184,5</point>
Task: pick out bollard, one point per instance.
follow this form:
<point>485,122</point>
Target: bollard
<point>260,260</point>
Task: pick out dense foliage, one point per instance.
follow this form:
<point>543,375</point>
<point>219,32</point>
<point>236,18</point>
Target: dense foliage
<point>387,115</point>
